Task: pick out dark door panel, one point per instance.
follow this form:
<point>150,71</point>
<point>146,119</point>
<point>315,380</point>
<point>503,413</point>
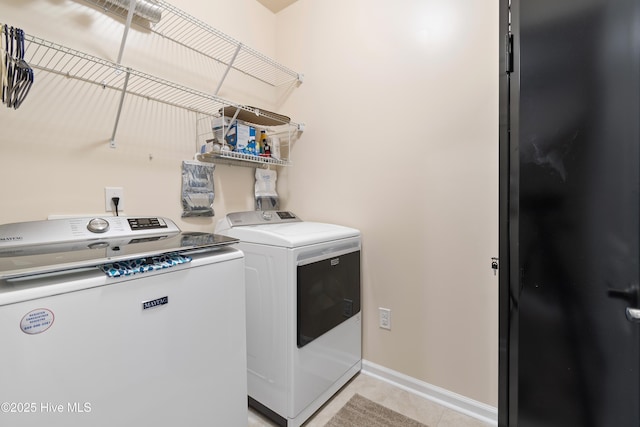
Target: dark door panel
<point>573,356</point>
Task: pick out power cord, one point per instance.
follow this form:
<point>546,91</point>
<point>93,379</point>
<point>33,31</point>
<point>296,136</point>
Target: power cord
<point>116,201</point>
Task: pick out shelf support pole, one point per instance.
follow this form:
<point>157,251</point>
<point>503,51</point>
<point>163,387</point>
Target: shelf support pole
<point>225,132</point>
<point>224,76</point>
<point>132,8</point>
<point>112,143</point>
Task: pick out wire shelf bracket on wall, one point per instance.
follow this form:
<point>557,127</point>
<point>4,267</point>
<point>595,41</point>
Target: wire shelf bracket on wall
<point>55,58</point>
<point>168,21</point>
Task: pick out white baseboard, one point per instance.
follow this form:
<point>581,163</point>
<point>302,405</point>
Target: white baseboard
<point>441,396</point>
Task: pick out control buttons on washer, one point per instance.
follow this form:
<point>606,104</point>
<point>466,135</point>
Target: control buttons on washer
<point>146,223</point>
<point>267,216</point>
<point>98,225</point>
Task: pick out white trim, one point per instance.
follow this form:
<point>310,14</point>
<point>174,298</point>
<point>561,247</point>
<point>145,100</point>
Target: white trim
<point>441,396</point>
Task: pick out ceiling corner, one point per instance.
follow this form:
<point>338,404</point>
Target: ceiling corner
<point>276,6</point>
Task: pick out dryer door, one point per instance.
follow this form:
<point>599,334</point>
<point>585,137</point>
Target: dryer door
<point>328,293</point>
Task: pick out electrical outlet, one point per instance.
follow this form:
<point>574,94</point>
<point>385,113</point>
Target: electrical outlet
<point>109,194</point>
<point>385,317</point>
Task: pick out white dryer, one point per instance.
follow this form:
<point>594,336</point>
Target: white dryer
<point>303,310</point>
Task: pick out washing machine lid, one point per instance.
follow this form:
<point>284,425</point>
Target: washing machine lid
<point>280,229</point>
<point>37,247</point>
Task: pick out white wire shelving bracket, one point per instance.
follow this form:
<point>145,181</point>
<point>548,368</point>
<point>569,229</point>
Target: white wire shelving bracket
<point>55,58</point>
<point>192,33</point>
<point>171,23</point>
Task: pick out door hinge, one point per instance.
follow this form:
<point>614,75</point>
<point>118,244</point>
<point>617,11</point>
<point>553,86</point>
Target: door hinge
<point>509,54</point>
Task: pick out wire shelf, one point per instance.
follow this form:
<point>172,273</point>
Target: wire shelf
<point>241,159</point>
<point>188,31</point>
<point>48,56</point>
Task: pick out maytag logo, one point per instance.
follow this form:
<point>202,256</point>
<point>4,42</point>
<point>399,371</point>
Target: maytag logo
<point>10,238</point>
<point>155,302</point>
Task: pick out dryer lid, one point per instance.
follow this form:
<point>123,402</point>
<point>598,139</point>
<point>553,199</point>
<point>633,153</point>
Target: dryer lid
<point>281,229</point>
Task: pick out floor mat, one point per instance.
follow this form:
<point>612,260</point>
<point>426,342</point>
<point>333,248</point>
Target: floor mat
<point>362,412</point>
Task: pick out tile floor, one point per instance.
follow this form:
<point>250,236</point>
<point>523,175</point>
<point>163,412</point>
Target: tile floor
<point>385,394</point>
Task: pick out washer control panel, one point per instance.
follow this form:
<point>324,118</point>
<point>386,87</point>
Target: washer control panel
<point>146,223</point>
<point>82,228</point>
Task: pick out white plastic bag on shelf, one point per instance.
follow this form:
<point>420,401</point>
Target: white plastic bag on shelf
<point>265,189</point>
<point>275,147</point>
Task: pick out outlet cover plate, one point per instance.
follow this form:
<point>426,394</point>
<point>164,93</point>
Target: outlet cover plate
<point>384,318</point>
<point>109,193</point>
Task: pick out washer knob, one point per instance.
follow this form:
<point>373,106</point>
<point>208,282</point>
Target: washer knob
<point>267,216</point>
<point>98,225</point>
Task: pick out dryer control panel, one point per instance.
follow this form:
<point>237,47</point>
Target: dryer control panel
<point>237,219</point>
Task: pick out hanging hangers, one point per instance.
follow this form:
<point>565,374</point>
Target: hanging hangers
<point>3,64</point>
<point>4,59</point>
<point>23,72</point>
<point>8,33</point>
<point>16,74</point>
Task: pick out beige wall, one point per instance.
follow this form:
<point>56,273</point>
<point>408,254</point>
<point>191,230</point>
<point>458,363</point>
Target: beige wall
<point>400,102</point>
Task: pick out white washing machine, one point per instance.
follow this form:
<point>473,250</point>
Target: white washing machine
<point>120,322</point>
<point>304,326</point>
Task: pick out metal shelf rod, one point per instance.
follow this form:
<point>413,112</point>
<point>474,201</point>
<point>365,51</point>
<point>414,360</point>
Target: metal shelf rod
<point>226,71</point>
<point>132,8</point>
<point>112,143</point>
